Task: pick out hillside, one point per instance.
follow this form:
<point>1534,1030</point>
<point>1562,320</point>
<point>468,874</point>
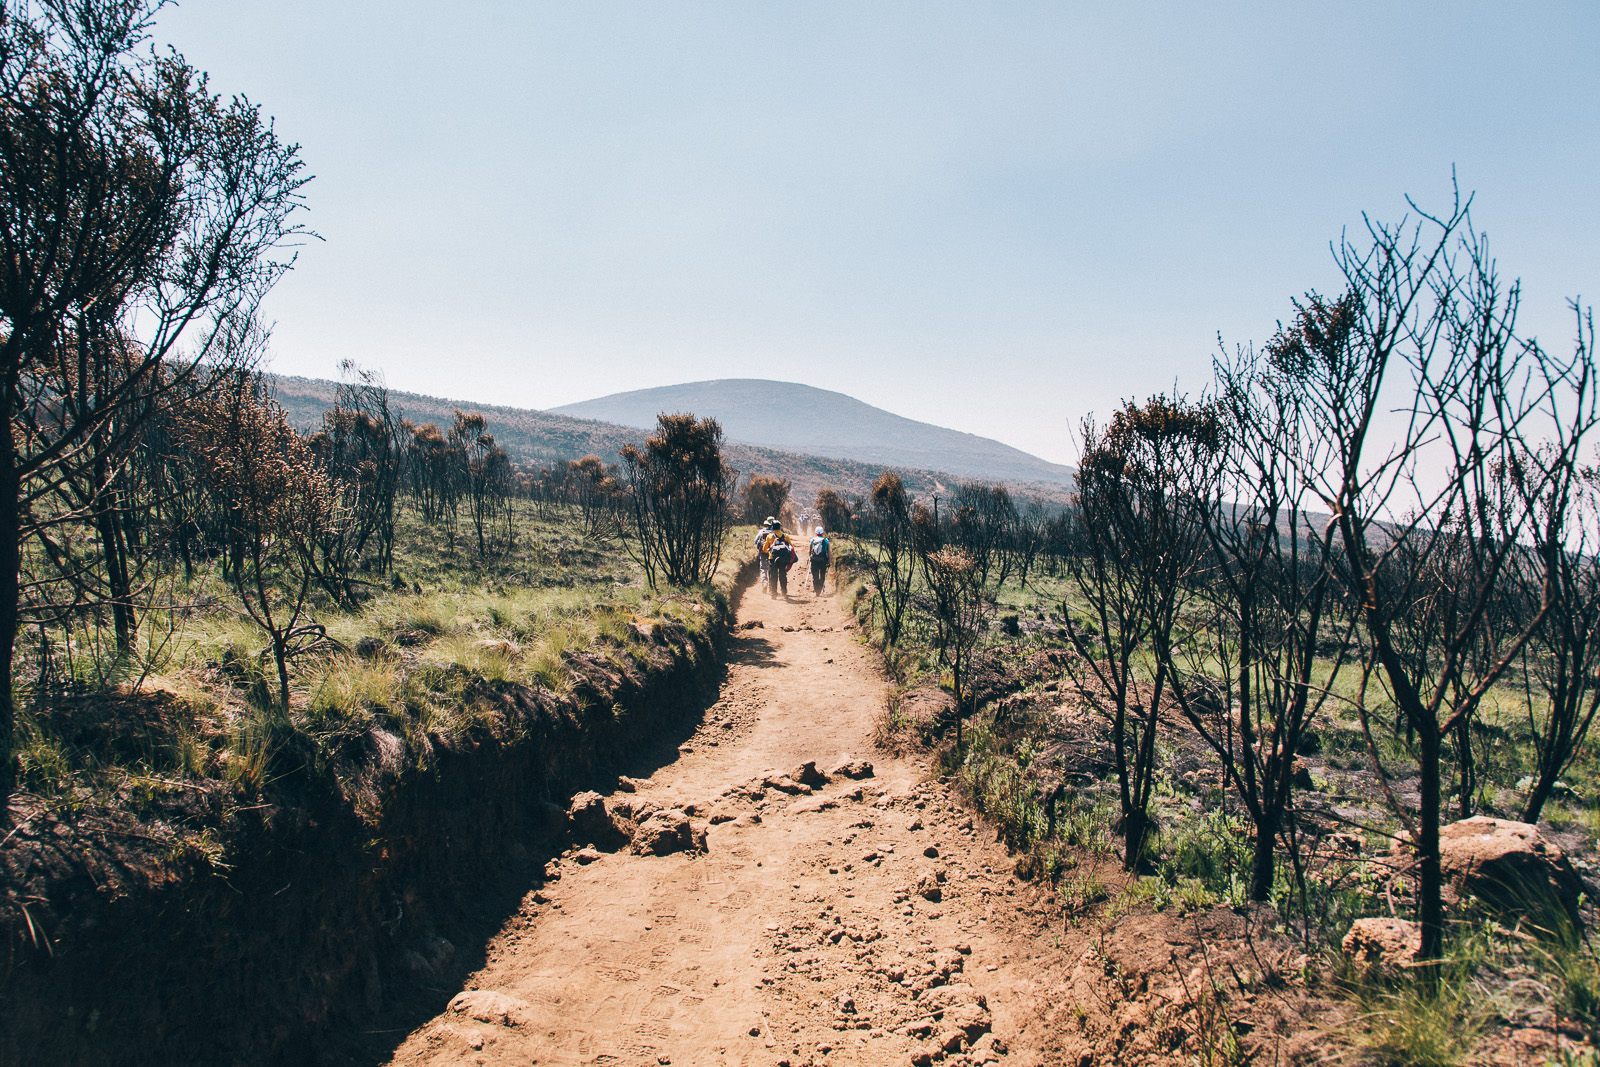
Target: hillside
<point>543,438</point>
<point>801,418</point>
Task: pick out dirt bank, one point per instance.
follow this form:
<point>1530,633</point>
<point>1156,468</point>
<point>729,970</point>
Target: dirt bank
<point>176,924</point>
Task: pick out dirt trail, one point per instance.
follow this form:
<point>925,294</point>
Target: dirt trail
<point>800,936</point>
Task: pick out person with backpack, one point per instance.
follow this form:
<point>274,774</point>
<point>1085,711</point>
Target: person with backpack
<point>819,562</point>
<point>781,553</point>
<point>763,543</point>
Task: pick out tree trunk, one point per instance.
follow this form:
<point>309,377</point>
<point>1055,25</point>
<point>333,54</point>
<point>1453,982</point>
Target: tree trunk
<point>10,562</point>
<point>1543,786</point>
<point>1469,771</point>
<point>280,653</point>
<point>1430,905</point>
<point>113,546</point>
<point>1264,871</point>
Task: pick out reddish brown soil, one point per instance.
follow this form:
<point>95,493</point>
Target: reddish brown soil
<point>782,941</point>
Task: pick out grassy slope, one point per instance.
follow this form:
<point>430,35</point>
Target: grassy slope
<point>185,842</point>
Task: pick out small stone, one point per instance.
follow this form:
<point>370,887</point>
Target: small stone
<point>932,852</point>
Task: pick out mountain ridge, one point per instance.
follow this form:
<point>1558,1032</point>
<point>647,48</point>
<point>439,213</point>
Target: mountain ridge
<point>804,418</point>
<point>535,438</point>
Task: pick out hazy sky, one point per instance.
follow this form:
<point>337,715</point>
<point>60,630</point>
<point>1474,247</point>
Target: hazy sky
<point>995,217</point>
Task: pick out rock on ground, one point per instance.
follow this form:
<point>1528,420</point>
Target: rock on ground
<point>1509,865</point>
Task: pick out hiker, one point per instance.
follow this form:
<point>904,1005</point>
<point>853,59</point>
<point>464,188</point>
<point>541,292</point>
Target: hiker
<point>819,562</point>
<point>763,543</point>
<point>781,553</point>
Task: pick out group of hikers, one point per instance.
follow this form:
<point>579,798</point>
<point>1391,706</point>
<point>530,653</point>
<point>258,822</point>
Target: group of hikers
<point>777,554</point>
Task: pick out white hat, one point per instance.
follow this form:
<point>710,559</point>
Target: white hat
<point>819,531</point>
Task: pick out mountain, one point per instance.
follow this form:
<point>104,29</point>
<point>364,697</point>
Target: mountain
<point>542,439</point>
<point>819,422</point>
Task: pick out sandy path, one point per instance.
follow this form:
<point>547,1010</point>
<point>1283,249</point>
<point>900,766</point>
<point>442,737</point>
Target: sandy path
<point>800,936</point>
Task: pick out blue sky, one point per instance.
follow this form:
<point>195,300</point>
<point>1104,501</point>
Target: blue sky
<point>994,217</point>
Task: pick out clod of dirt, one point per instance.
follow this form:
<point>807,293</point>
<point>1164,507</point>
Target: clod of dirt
<point>372,648</point>
<point>590,822</point>
<point>1383,943</point>
<point>932,852</point>
<point>487,1006</point>
<point>753,624</point>
<point>784,784</point>
<point>626,784</point>
<point>668,831</point>
<point>852,769</point>
<point>807,774</point>
<point>929,889</point>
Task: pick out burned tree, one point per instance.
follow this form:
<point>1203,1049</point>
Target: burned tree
<point>140,216</point>
<point>679,493</point>
<point>1431,539</point>
<point>1141,545</point>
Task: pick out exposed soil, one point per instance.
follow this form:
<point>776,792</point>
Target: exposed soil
<point>868,921</point>
<point>800,934</point>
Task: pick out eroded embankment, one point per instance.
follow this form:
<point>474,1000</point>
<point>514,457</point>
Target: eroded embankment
<point>330,900</point>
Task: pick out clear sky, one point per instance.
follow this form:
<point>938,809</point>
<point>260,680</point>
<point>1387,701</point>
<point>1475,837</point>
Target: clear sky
<point>991,216</point>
